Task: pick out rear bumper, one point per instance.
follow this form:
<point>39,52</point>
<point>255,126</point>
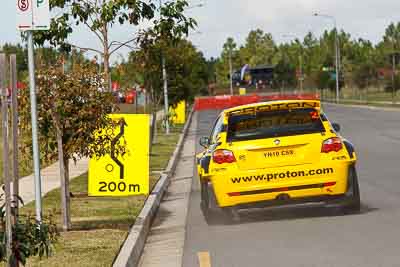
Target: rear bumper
<point>330,186</point>
<point>335,200</point>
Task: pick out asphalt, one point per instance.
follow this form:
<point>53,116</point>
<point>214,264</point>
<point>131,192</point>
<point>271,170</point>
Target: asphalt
<point>308,235</point>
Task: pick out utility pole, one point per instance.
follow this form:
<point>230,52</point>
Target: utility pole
<point>165,86</point>
<point>301,73</point>
<point>230,71</point>
<point>337,64</point>
<point>393,73</point>
<point>393,76</point>
<point>166,105</point>
<point>337,53</point>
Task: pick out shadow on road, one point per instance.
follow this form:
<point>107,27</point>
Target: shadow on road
<point>218,216</point>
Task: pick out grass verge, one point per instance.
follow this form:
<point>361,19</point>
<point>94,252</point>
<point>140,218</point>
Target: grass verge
<point>100,225</point>
<point>370,103</point>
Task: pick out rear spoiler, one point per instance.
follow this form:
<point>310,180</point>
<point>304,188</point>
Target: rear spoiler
<point>274,106</point>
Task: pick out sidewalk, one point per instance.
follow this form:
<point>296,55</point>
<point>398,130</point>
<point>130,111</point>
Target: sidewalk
<point>165,243</point>
<point>50,179</point>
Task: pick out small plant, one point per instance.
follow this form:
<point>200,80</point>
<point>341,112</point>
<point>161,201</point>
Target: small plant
<point>30,238</point>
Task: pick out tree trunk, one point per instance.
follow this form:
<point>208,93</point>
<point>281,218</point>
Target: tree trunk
<point>106,57</point>
<point>106,65</point>
<point>154,121</point>
<point>64,176</point>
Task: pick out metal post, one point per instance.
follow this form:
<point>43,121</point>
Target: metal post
<point>6,174</point>
<point>393,75</point>
<point>35,144</point>
<point>301,73</point>
<point>230,71</point>
<point>337,63</point>
<point>14,103</point>
<point>337,53</point>
<point>166,105</point>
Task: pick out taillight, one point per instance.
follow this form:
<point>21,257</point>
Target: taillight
<point>332,144</point>
<point>221,156</point>
<point>329,184</point>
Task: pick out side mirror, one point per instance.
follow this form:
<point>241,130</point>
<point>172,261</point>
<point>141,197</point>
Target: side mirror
<point>336,127</point>
<point>204,141</point>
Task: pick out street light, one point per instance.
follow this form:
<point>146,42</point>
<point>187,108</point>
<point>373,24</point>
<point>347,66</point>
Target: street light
<point>300,61</point>
<point>165,85</point>
<point>336,52</point>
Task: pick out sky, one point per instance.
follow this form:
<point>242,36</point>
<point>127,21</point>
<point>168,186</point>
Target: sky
<point>220,19</point>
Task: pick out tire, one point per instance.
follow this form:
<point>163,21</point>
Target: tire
<point>211,210</point>
<point>231,215</point>
<point>205,196</point>
<point>354,204</point>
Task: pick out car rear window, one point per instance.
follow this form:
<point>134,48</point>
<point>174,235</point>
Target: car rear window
<point>242,127</point>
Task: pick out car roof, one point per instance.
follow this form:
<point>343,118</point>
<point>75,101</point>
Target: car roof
<point>274,102</point>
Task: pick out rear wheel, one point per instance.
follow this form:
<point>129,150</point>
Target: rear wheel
<point>231,214</point>
<point>212,212</point>
<point>205,196</point>
<point>354,204</point>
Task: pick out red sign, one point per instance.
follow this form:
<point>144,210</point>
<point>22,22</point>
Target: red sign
<point>23,5</point>
<point>115,86</point>
<point>21,85</point>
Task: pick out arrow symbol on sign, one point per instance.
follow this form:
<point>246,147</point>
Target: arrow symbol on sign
<point>122,125</point>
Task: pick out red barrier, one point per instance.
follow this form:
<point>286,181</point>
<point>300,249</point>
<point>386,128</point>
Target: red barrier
<point>227,101</point>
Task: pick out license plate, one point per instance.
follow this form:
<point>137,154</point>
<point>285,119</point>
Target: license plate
<point>279,153</point>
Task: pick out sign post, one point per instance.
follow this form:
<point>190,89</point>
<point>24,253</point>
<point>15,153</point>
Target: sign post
<point>33,15</point>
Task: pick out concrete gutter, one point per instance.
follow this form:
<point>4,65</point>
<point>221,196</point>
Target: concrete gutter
<point>132,248</point>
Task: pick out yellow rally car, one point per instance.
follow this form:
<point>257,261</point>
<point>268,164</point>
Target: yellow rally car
<point>277,153</point>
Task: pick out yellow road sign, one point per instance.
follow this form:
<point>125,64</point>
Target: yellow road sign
<point>125,175</point>
<point>178,114</point>
<point>242,91</point>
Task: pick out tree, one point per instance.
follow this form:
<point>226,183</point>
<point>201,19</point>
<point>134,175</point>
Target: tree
<point>391,44</point>
<point>98,17</point>
<point>363,67</point>
<point>259,49</point>
<point>229,51</point>
<point>186,67</point>
<point>72,109</point>
<point>20,52</point>
<point>285,74</point>
<point>161,41</point>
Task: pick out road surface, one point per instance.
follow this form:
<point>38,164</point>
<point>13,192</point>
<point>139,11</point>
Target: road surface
<point>313,236</point>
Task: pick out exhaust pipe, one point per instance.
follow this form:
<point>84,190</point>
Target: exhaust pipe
<point>283,197</point>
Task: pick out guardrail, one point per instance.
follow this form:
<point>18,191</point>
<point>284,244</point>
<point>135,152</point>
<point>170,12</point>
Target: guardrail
<point>229,101</point>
